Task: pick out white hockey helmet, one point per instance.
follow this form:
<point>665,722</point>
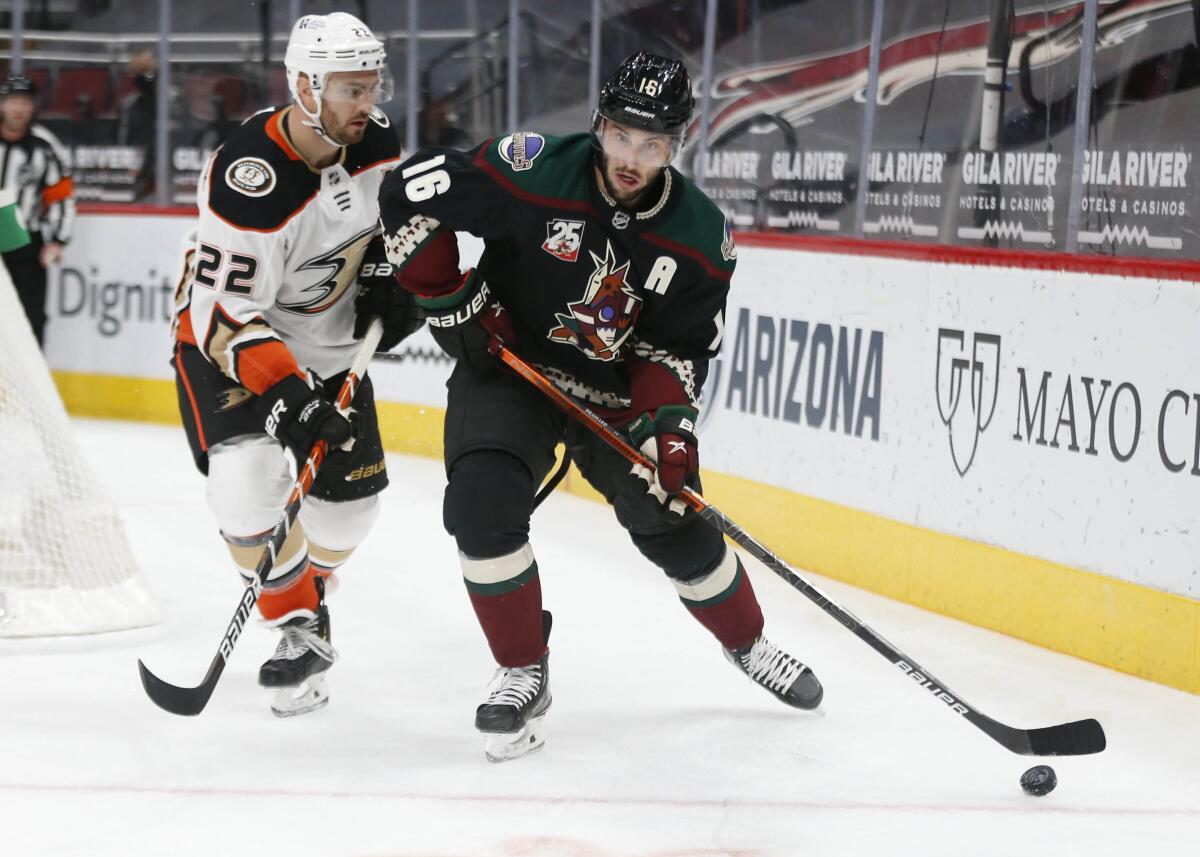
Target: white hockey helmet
<point>321,45</point>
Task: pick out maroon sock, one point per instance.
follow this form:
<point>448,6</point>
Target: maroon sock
<point>510,614</point>
<point>732,616</point>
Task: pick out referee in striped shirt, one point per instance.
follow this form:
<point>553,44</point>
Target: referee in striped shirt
<point>33,167</point>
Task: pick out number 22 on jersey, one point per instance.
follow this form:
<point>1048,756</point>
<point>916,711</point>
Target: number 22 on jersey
<point>239,273</point>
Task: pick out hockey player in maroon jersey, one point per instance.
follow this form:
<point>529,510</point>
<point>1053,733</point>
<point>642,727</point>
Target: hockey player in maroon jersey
<point>267,325</point>
<point>608,270</point>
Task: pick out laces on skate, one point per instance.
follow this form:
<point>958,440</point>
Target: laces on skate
<point>770,667</point>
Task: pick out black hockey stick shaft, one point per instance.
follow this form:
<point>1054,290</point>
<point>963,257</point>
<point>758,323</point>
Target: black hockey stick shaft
<point>190,701</point>
<point>1078,738</point>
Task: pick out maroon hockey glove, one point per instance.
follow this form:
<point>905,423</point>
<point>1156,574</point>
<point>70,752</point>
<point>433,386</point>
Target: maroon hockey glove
<point>498,324</point>
<point>297,416</point>
<point>664,431</point>
<point>668,438</point>
<point>381,296</point>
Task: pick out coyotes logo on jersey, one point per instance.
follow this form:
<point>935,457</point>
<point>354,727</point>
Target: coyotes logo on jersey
<point>600,324</point>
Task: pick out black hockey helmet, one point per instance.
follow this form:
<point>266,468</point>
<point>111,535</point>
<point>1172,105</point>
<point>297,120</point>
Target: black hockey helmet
<point>16,83</point>
<point>651,93</point>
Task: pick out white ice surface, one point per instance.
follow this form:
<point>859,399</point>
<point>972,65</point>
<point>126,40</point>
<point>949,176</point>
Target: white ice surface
<point>657,748</point>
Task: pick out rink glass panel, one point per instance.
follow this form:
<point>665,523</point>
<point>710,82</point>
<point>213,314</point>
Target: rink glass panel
<point>785,125</point>
<point>943,167</point>
<point>1139,194</point>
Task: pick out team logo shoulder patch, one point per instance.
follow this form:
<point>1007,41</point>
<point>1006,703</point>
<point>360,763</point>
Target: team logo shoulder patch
<point>600,324</point>
<point>564,238</point>
<point>728,248</point>
<point>250,176</point>
<point>520,150</point>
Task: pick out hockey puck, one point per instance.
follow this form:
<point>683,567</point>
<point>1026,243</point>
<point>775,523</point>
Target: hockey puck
<point>1039,780</point>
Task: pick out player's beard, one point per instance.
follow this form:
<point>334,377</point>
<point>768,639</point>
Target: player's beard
<point>344,133</point>
<point>626,197</point>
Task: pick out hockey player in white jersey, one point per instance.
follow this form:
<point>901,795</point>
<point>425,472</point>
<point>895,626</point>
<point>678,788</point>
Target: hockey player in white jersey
<point>285,273</point>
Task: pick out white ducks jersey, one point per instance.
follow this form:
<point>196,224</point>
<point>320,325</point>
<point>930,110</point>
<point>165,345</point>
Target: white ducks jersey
<point>271,280</point>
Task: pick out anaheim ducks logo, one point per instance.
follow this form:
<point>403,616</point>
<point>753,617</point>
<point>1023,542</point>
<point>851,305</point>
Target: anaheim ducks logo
<point>340,268</point>
<point>229,399</point>
<point>600,323</point>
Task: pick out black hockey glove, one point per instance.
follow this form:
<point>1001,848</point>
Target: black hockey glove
<point>381,296</point>
<point>298,416</point>
<point>467,328</point>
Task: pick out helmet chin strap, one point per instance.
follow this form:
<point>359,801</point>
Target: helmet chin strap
<point>314,122</point>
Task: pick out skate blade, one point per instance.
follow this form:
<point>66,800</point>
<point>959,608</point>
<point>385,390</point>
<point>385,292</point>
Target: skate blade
<point>506,746</point>
<point>308,696</point>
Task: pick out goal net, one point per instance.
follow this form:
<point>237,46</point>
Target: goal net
<point>65,562</point>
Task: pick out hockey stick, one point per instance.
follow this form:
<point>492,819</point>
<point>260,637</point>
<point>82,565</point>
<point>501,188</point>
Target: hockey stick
<point>190,701</point>
<point>1078,738</point>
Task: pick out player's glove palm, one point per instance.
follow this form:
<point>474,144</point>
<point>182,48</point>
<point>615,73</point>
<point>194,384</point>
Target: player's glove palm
<point>298,416</point>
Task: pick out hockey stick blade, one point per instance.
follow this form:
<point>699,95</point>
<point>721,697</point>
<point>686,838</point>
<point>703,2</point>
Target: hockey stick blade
<point>185,701</point>
<point>1079,738</point>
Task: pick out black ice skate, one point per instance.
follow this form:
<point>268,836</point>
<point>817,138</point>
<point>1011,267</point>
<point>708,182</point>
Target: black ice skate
<point>771,667</point>
<point>296,672</point>
<point>518,699</point>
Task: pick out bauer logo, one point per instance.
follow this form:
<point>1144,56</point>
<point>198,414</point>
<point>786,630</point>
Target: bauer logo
<point>938,692</point>
<point>967,381</point>
<point>464,314</point>
<point>366,471</point>
<point>520,150</point>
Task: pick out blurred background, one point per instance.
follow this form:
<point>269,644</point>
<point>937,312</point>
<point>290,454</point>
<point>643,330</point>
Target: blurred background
<point>783,86</point>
